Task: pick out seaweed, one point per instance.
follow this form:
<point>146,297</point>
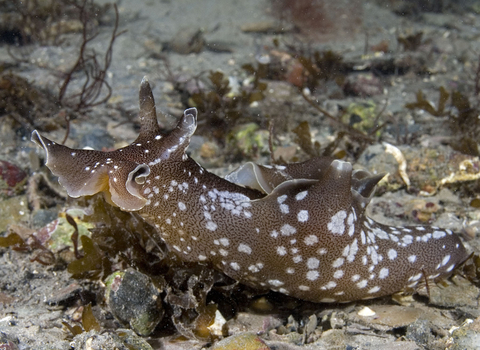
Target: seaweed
<point>470,269</point>
<point>41,22</point>
<point>118,241</point>
<point>411,42</point>
<point>359,139</point>
<point>304,139</point>
<point>425,105</point>
<point>220,105</point>
<point>88,64</point>
<point>29,106</point>
<point>322,66</point>
<point>28,243</point>
<point>88,323</point>
<point>44,22</point>
<point>461,117</point>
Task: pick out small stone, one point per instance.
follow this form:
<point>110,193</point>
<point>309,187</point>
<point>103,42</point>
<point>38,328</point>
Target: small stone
<point>363,85</point>
<point>259,324</point>
<point>13,210</point>
<point>12,179</point>
<point>123,339</point>
<point>188,40</point>
<point>65,296</point>
<point>134,300</point>
<point>266,27</point>
<point>420,331</point>
<point>244,341</point>
<point>459,293</point>
<point>42,217</point>
<point>465,337</point>
<point>6,343</point>
<point>98,139</point>
<point>389,316</point>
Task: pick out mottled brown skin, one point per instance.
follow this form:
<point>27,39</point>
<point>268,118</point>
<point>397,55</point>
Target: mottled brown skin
<point>300,230</point>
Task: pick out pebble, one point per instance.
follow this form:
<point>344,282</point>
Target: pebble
<point>389,316</point>
<point>13,210</point>
<point>243,341</point>
<point>134,300</point>
<point>6,343</point>
<point>188,40</point>
<point>259,324</point>
<point>122,339</point>
<point>465,337</point>
<point>65,296</point>
<point>12,179</point>
<point>459,292</point>
<point>97,139</point>
<point>420,332</point>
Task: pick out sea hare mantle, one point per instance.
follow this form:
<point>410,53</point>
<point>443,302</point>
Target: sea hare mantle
<point>299,229</point>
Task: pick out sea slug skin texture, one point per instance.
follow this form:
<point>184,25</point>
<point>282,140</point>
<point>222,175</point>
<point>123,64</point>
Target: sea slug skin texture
<point>299,229</point>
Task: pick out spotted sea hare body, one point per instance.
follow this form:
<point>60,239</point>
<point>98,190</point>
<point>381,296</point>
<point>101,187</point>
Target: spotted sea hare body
<point>299,229</point>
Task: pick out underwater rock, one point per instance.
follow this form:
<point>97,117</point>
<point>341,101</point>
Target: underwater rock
<point>12,179</point>
<point>13,210</point>
<point>465,337</point>
<point>134,300</point>
<point>188,40</point>
<point>245,341</point>
<point>6,343</point>
<point>123,339</point>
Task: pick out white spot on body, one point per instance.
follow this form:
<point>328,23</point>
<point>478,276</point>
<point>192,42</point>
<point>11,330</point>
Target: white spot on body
<point>275,283</point>
<point>445,260</point>
<point>383,273</point>
<point>302,215</point>
<point>235,266</point>
<point>337,223</point>
<point>338,262</point>
<point>311,240</point>
<point>312,275</point>
<point>353,251</point>
<point>284,209</point>
<point>301,195</point>
<point>281,251</point>
<point>211,226</point>
<point>438,234</point>
<point>412,258</point>
<point>362,284</point>
<point>288,230</point>
<point>181,206</point>
<point>450,268</point>
<point>416,277</point>
<point>224,241</point>
<point>329,285</point>
<point>223,252</point>
<point>297,258</point>
<point>313,263</point>
<point>407,239</point>
<point>243,248</point>
<point>392,254</point>
<point>338,274</point>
